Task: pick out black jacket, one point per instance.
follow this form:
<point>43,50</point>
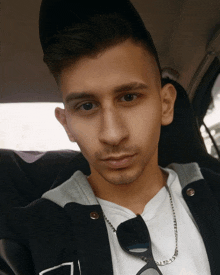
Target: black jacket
<point>56,235</point>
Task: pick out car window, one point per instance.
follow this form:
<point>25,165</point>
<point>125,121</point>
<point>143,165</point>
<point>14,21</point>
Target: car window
<point>32,126</point>
<point>212,120</point>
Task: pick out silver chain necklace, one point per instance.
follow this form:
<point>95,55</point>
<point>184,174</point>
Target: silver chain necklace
<point>165,262</point>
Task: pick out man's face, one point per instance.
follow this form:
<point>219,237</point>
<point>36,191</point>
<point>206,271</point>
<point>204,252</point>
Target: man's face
<point>114,106</point>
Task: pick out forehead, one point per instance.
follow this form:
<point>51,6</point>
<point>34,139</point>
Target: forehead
<point>124,63</point>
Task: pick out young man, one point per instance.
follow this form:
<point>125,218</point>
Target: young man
<point>129,216</point>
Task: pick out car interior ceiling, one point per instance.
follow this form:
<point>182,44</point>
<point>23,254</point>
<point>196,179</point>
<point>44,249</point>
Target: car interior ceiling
<point>184,33</point>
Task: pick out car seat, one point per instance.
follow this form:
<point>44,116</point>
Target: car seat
<point>181,141</point>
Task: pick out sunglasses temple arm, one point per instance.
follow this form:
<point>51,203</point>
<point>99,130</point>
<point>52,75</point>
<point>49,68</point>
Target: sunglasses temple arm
<point>144,268</point>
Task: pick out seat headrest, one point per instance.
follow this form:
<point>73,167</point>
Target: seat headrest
<point>181,141</point>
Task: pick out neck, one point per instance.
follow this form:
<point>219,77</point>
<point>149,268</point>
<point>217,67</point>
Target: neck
<point>135,195</point>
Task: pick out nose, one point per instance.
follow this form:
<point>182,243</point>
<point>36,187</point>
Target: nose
<point>113,128</point>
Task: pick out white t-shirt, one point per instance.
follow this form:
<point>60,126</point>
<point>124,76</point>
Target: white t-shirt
<point>192,258</point>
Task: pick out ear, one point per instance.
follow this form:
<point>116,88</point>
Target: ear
<point>168,97</point>
<point>61,117</point>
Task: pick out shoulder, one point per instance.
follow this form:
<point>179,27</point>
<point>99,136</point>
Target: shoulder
<point>35,236</point>
<point>193,175</point>
<point>40,218</point>
<point>213,180</point>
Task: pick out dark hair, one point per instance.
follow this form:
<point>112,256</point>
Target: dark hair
<point>92,37</point>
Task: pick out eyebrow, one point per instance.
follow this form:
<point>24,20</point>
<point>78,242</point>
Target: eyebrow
<point>90,95</point>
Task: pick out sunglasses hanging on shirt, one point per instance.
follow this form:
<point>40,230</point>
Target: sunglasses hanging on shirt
<point>134,238</point>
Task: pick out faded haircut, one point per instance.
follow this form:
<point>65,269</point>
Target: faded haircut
<point>88,39</point>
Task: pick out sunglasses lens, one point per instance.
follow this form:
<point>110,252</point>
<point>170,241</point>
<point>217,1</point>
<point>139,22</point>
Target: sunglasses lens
<point>133,235</point>
<point>150,271</point>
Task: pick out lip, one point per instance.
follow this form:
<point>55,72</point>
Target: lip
<point>121,162</point>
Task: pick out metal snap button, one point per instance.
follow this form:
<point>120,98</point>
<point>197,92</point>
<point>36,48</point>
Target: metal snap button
<point>94,215</point>
<point>190,192</point>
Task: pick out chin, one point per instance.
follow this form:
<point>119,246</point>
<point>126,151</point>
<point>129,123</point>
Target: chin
<point>122,176</point>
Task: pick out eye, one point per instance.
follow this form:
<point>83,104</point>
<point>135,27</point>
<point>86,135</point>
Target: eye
<point>130,97</point>
<point>86,106</point>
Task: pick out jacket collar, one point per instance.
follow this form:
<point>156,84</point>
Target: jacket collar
<point>76,189</point>
<point>187,173</point>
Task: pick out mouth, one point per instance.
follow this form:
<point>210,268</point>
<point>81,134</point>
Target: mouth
<point>119,162</point>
